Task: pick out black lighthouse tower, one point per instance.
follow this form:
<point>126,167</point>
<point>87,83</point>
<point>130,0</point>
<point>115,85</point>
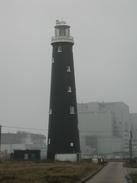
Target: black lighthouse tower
<point>63,135</point>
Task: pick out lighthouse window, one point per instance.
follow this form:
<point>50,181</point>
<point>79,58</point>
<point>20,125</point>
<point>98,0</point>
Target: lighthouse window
<point>69,89</point>
<point>67,32</point>
<point>72,110</point>
<point>56,32</point>
<point>59,49</point>
<point>68,69</point>
<point>50,111</point>
<point>62,32</point>
<point>52,59</point>
<point>71,144</point>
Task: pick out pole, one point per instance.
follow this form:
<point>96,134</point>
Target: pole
<point>0,140</point>
<point>0,137</point>
<point>130,147</point>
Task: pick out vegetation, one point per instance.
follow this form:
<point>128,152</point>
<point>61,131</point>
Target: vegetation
<point>28,172</point>
<point>133,177</point>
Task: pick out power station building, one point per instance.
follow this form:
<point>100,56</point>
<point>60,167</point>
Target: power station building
<point>63,135</point>
<point>104,129</point>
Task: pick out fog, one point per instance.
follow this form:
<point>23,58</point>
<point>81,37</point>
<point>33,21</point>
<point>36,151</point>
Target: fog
<point>105,55</point>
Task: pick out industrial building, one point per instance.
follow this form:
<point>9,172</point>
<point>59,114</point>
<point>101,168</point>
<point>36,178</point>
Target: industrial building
<point>11,142</point>
<point>104,129</point>
<point>133,121</point>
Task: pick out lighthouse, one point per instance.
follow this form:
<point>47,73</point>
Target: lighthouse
<point>63,134</point>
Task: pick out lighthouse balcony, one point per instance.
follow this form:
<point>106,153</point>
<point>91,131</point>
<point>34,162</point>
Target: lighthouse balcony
<point>62,39</point>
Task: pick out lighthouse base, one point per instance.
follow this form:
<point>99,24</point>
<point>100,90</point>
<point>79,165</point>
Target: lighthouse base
<point>67,157</point>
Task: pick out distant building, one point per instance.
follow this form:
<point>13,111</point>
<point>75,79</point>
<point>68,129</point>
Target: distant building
<point>104,128</point>
<point>133,121</point>
<point>22,141</point>
<point>25,155</point>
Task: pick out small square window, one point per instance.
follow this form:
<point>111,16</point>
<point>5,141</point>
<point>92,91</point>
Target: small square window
<point>68,69</point>
<point>50,111</point>
<point>52,59</point>
<point>69,89</point>
<point>71,144</point>
<point>72,110</point>
<point>59,49</point>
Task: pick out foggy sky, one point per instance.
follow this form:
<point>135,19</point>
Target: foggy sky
<point>105,55</point>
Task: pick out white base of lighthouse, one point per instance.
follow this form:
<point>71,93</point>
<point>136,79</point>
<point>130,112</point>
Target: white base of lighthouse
<point>66,157</point>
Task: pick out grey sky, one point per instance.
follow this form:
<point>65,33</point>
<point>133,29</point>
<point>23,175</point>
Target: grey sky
<point>105,54</point>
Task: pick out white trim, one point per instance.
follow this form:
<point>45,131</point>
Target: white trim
<point>66,157</point>
<point>62,39</point>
